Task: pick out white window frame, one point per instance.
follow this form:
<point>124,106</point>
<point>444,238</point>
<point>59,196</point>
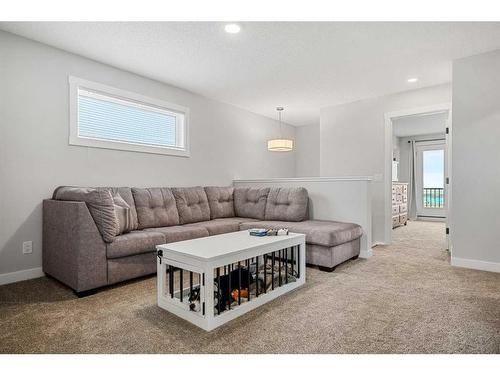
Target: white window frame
<point>181,113</point>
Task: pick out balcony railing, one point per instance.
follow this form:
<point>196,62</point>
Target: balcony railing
<point>433,198</point>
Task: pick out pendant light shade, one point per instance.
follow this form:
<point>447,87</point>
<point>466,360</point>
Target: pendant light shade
<point>280,144</point>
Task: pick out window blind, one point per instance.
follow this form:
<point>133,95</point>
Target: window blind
<point>104,117</point>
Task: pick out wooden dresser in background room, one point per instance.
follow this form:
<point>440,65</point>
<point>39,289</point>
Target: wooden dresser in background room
<point>399,204</point>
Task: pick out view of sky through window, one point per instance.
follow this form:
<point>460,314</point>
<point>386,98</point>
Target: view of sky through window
<point>433,164</point>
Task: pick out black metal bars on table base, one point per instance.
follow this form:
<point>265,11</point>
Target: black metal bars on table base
<point>239,282</point>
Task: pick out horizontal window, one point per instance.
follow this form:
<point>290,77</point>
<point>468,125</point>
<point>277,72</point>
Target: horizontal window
<point>106,117</point>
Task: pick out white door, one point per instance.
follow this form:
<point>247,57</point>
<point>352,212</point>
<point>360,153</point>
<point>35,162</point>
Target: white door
<point>447,186</point>
<point>430,179</point>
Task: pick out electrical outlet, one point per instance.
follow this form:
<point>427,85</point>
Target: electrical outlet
<point>27,247</point>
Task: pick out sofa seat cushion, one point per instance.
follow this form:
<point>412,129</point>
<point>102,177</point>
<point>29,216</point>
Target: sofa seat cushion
<point>236,219</point>
<point>214,227</point>
<point>180,232</point>
<point>120,269</point>
<point>220,226</point>
<point>318,232</point>
<point>135,242</point>
<point>220,200</point>
<point>329,257</point>
<point>155,207</point>
<point>289,204</point>
<point>192,204</point>
<point>250,202</point>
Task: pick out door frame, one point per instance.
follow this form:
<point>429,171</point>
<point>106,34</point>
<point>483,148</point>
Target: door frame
<point>429,212</point>
<point>388,117</point>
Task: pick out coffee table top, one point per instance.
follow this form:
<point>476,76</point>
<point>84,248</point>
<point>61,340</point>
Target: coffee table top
<point>207,248</point>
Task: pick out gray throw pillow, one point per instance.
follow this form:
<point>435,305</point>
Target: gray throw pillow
<point>100,204</point>
<point>123,214</point>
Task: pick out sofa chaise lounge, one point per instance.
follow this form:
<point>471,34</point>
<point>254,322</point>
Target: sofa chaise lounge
<point>93,237</point>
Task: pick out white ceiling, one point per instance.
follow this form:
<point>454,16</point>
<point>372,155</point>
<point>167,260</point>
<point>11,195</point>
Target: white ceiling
<point>302,66</point>
<point>420,124</point>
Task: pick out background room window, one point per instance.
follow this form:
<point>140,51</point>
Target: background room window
<point>106,117</point>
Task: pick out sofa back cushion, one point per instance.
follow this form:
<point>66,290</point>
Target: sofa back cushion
<point>250,202</point>
<point>125,193</point>
<point>287,204</point>
<point>100,204</point>
<point>155,207</point>
<point>220,200</point>
<point>192,204</point>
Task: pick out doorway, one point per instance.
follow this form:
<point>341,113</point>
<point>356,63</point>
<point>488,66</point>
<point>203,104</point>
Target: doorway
<point>418,148</point>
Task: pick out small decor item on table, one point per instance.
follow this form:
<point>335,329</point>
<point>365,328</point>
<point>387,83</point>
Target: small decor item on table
<point>259,232</point>
<point>283,232</point>
<point>272,232</point>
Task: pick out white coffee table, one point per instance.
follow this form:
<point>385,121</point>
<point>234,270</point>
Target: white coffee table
<point>223,264</point>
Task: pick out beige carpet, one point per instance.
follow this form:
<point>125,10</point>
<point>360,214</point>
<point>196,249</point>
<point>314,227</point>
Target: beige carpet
<point>405,299</point>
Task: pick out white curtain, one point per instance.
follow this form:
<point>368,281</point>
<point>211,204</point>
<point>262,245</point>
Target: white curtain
<point>412,168</point>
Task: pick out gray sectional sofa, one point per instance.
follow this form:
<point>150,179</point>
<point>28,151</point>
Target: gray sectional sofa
<point>94,237</point>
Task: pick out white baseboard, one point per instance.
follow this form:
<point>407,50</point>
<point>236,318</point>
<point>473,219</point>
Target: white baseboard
<point>431,218</point>
<point>475,264</point>
<point>12,277</point>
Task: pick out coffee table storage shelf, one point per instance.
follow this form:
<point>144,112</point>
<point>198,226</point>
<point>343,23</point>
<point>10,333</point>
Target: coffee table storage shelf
<point>210,281</point>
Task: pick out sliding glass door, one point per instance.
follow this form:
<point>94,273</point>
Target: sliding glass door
<point>430,179</point>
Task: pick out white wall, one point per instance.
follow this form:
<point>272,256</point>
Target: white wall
<point>408,126</point>
<point>475,220</point>
<point>332,198</point>
<point>226,142</point>
<point>352,141</point>
<point>307,151</point>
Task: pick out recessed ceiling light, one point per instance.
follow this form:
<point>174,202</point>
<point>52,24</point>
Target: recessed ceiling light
<point>232,28</point>
<point>412,80</point>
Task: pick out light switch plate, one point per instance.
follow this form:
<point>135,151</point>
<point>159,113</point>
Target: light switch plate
<point>27,247</point>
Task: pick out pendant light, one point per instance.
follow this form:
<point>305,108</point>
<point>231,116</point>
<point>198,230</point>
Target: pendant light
<point>280,144</point>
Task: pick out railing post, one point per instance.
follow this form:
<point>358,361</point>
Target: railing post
<point>433,197</point>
